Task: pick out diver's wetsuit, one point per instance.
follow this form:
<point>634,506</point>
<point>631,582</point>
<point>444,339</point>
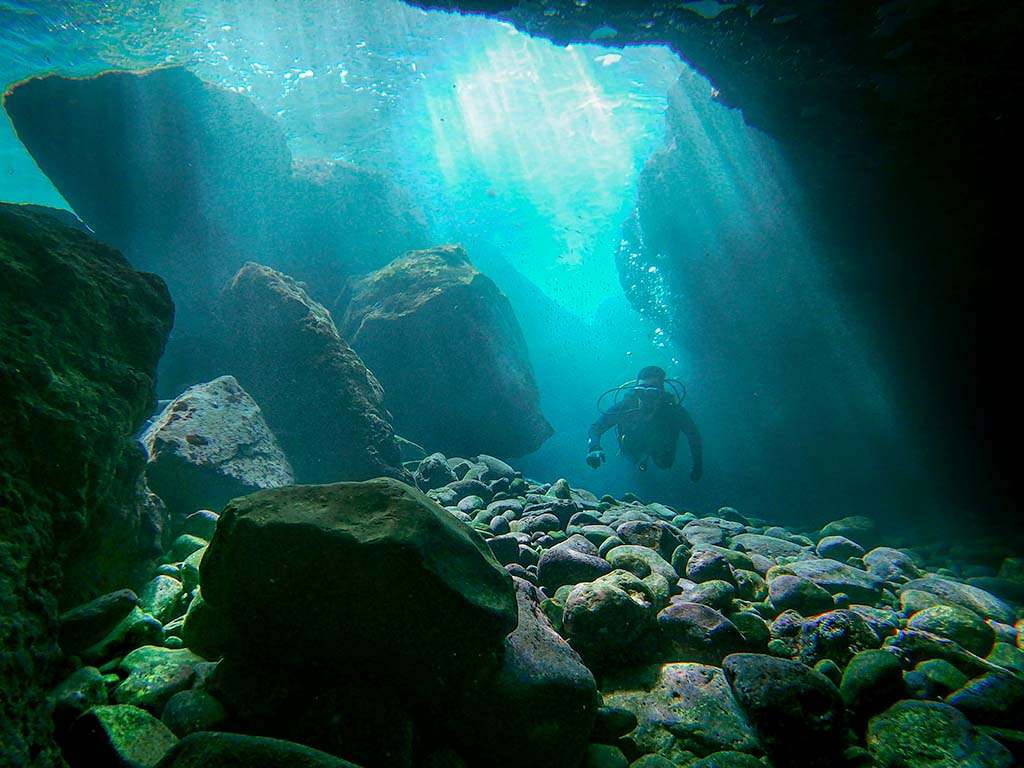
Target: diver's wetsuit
<point>653,433</point>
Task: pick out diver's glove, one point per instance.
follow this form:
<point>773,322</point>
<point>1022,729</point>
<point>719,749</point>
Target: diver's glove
<point>696,474</point>
<point>595,458</point>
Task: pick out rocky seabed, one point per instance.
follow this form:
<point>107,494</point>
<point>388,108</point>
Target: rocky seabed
<point>482,618</point>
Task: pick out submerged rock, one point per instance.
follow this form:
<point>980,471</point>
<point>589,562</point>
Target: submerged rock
<point>80,336</point>
<point>543,696</point>
<point>836,577</point>
<point>965,596</point>
<point>928,734</point>
<point>689,710</point>
<point>324,406</point>
<point>90,622</point>
<point>118,735</point>
<point>958,624</point>
<point>210,445</point>
<point>154,675</point>
<point>798,712</point>
<point>605,619</point>
<point>446,345</point>
<point>698,632</point>
<point>356,576</point>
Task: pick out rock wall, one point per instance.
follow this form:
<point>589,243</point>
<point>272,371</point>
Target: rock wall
<point>80,336</point>
<point>448,349</point>
<point>190,181</point>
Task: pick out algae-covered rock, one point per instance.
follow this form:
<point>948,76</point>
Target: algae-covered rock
<point>564,564</point>
<point>958,624</point>
<point>996,698</point>
<point>688,710</point>
<point>605,618</point>
<point>163,598</point>
<point>429,324</point>
<point>872,681</point>
<point>325,407</point>
<point>797,712</point>
<point>370,576</point>
<point>640,561</point>
<point>154,675</point>
<point>135,629</point>
<point>210,445</point>
<point>220,750</point>
<point>929,734</point>
<point>118,735</point>
<point>943,678</point>
<point>80,336</point>
<point>697,632</point>
<point>836,635</point>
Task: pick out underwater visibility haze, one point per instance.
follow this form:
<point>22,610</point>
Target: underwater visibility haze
<point>507,383</point>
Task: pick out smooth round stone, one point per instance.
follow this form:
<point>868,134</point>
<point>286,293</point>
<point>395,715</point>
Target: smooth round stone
<point>798,594</point>
<point>185,545</point>
<point>640,561</point>
<point>202,524</point>
<point>839,548</point>
<point>471,504</point>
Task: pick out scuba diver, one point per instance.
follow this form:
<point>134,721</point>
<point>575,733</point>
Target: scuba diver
<point>648,420</point>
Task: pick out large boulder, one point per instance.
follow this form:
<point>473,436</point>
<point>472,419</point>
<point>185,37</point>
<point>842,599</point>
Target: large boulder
<point>370,577</point>
<point>445,343</point>
<point>324,405</point>
<point>80,336</point>
<point>210,445</point>
<point>114,143</point>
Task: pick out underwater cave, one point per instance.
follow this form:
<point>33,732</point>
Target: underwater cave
<point>514,383</point>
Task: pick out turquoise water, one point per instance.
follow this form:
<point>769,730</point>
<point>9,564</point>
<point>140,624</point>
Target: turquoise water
<point>547,140</point>
<point>528,154</point>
